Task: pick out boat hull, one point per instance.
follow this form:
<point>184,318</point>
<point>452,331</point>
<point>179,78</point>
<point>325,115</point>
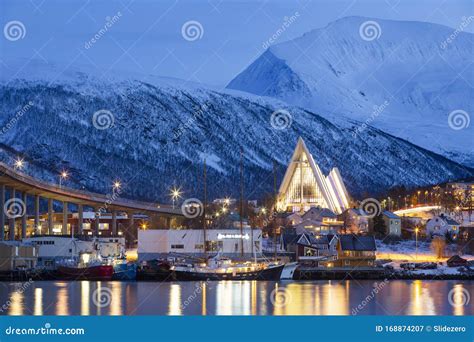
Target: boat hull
<point>271,273</point>
<point>102,272</point>
<point>125,272</point>
<point>155,270</point>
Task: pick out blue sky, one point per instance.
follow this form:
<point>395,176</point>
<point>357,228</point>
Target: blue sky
<point>147,38</point>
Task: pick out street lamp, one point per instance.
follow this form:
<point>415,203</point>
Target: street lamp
<point>175,195</point>
<point>19,163</point>
<point>64,175</point>
<point>117,185</point>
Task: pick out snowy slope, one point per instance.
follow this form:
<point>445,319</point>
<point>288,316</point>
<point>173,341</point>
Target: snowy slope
<point>410,70</point>
<point>163,129</point>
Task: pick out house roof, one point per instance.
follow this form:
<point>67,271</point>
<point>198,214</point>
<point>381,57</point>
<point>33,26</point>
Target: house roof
<point>351,242</point>
<point>358,211</point>
<point>451,222</point>
<point>289,238</point>
<point>320,212</point>
<point>391,215</point>
<point>448,220</point>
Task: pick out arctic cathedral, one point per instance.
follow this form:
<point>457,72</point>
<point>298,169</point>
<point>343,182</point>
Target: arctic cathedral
<point>304,185</point>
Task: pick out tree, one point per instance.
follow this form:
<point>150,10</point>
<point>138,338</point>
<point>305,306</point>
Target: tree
<point>380,229</point>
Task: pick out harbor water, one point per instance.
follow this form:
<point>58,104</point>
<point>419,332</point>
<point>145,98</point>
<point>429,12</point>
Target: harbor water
<point>349,297</point>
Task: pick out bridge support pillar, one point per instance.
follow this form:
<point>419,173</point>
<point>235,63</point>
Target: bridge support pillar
<point>2,212</point>
<point>114,222</point>
<point>80,218</point>
<point>37,214</point>
<point>65,212</point>
<point>129,235</point>
<point>96,221</point>
<point>11,221</point>
<point>50,216</point>
<point>24,198</point>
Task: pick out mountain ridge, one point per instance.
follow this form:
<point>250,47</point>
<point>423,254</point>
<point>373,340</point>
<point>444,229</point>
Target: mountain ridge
<point>335,72</point>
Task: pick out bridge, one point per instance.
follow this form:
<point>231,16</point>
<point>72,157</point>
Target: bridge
<point>14,208</point>
<point>416,210</point>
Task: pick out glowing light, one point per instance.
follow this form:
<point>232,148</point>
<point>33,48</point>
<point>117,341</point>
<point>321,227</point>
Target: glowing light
<point>19,163</point>
<point>64,174</point>
<point>264,210</point>
<point>233,236</point>
<point>175,193</point>
<point>224,210</point>
<point>144,226</point>
<point>117,185</point>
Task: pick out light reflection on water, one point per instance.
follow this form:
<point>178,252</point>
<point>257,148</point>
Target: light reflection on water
<point>397,297</point>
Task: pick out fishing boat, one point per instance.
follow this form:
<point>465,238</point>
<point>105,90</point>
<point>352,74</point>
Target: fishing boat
<point>95,272</point>
<point>225,269</point>
<point>124,270</point>
<point>89,266</point>
<point>157,269</point>
<point>221,268</point>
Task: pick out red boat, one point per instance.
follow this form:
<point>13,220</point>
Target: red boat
<point>99,272</point>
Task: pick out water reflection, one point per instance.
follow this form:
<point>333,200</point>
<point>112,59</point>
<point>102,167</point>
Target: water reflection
<point>38,311</point>
<point>397,297</point>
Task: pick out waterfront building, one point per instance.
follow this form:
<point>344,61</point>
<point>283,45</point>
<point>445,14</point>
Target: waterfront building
<point>316,247</point>
<point>305,186</point>
<point>15,255</point>
<point>355,251</point>
<point>442,225</point>
<point>158,243</point>
<point>55,249</point>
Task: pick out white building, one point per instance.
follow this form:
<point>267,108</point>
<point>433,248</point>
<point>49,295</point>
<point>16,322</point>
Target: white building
<point>442,225</point>
<point>159,243</point>
<point>305,186</point>
<point>52,249</point>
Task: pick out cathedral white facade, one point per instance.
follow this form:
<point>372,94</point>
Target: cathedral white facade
<point>305,186</point>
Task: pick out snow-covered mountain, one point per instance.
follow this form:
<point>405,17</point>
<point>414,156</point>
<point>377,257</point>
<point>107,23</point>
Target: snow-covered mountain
<point>162,130</point>
<point>403,77</point>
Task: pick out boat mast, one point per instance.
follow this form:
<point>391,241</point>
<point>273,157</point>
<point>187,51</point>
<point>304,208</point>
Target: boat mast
<point>204,211</point>
<point>274,210</point>
<point>241,203</point>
